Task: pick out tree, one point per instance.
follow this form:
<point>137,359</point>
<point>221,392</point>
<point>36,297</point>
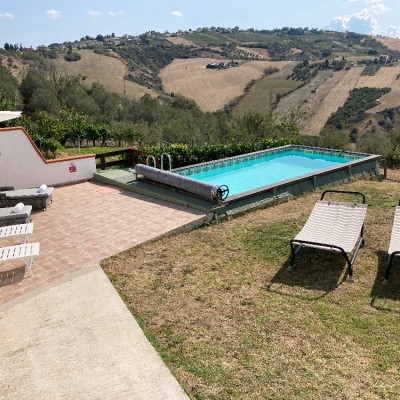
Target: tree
<point>44,99</point>
<point>92,133</point>
<point>10,98</point>
<point>6,46</point>
<point>374,143</point>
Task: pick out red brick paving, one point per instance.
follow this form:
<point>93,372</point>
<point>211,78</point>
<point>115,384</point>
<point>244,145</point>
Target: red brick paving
<point>86,223</point>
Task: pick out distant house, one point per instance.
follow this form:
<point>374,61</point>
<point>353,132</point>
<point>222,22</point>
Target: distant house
<point>213,65</point>
<point>219,65</point>
<point>385,59</point>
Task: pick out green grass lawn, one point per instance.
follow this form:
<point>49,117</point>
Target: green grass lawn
<point>231,323</point>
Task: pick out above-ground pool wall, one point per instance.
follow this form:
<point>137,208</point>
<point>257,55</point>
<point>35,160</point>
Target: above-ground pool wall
<point>303,185</point>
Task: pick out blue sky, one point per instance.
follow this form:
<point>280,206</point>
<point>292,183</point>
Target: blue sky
<point>36,22</point>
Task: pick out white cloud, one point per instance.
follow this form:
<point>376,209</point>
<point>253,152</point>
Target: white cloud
<point>7,15</point>
<point>53,14</point>
<point>116,13</point>
<point>391,31</point>
<point>364,21</point>
<point>365,1</point>
<point>379,9</point>
<point>93,14</point>
<point>176,14</point>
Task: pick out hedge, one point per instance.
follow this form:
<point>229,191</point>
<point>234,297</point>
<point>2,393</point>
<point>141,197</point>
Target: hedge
<point>183,155</point>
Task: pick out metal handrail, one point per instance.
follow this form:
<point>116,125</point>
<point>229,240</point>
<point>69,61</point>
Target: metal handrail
<point>150,157</point>
<point>169,160</point>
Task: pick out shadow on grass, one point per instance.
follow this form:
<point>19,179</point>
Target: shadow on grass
<point>318,272</point>
<point>385,297</point>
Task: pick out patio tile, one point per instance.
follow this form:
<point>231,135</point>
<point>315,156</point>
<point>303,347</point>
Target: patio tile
<point>85,223</point>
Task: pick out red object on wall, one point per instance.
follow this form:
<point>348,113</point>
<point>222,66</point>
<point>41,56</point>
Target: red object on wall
<point>72,167</point>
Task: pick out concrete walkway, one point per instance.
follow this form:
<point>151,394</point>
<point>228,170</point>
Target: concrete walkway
<point>65,333</point>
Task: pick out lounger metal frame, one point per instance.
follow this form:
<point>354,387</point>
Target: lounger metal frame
<point>392,238</point>
<point>303,243</point>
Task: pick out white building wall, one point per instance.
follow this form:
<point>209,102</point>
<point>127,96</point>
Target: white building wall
<point>23,166</point>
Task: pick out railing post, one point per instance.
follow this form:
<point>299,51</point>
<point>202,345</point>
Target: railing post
<point>102,162</point>
<point>132,158</point>
<point>384,165</point>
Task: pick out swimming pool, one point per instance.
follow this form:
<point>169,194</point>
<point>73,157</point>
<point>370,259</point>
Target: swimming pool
<point>281,169</point>
<point>252,173</point>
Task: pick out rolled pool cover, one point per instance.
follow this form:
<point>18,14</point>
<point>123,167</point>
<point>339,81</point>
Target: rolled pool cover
<point>202,189</point>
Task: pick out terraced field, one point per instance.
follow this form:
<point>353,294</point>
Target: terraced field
<point>263,93</point>
<point>302,95</point>
<point>259,53</point>
<point>328,98</point>
<point>385,77</point>
<point>211,89</point>
<point>108,71</point>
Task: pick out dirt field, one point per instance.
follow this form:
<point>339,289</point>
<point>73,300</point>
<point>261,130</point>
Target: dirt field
<point>263,93</point>
<point>302,94</point>
<point>385,77</point>
<point>106,70</point>
<point>328,98</point>
<point>180,40</point>
<point>211,89</point>
<point>263,53</point>
<point>392,43</point>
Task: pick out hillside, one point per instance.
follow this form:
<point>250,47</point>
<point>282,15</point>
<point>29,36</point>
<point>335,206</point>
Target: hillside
<point>157,64</point>
<point>391,43</point>
<point>108,71</point>
<point>329,96</point>
<point>211,89</point>
<point>385,77</point>
<point>263,94</point>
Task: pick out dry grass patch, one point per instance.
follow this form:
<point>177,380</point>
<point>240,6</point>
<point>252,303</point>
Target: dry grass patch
<point>327,99</point>
<point>302,95</point>
<point>392,43</point>
<point>181,40</point>
<point>263,94</point>
<point>385,77</point>
<point>108,71</point>
<point>211,89</point>
<point>231,322</point>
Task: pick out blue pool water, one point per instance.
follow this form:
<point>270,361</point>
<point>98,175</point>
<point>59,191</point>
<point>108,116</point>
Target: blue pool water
<point>269,169</point>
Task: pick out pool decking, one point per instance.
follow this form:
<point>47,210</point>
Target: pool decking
<point>88,222</point>
<point>65,332</point>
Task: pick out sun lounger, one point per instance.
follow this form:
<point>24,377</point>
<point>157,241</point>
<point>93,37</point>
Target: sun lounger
<point>9,217</point>
<point>334,226</point>
<point>33,197</point>
<point>394,246</point>
<point>24,251</point>
<point>15,231</point>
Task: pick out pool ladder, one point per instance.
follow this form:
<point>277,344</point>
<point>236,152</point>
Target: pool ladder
<point>152,158</point>
<point>169,160</point>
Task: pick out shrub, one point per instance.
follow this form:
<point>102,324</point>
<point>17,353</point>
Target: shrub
<point>183,155</point>
<point>71,56</point>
